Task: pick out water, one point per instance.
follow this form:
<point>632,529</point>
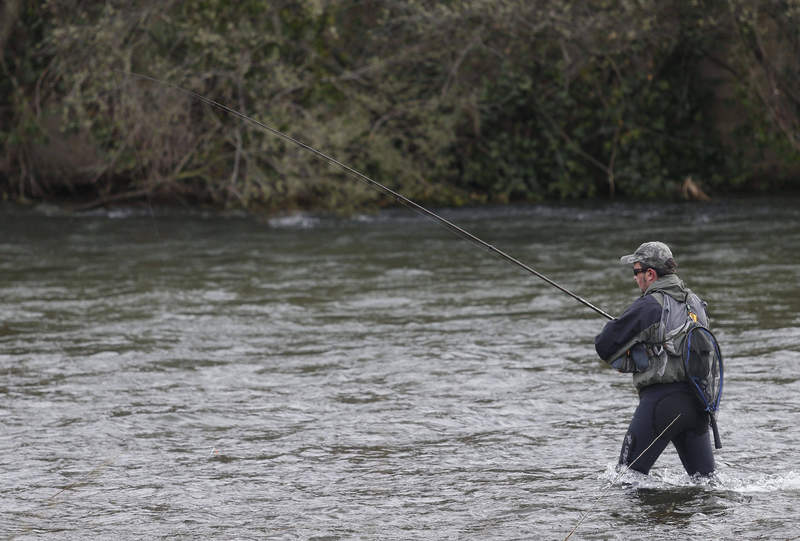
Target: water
<point>179,375</point>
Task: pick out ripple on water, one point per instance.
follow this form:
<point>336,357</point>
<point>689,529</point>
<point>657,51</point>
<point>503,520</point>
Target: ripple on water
<point>377,378</point>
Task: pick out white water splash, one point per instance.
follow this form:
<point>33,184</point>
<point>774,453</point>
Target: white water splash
<point>294,221</point>
<point>775,482</point>
<point>721,480</point>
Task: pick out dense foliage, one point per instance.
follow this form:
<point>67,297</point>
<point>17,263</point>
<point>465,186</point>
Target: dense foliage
<point>451,102</point>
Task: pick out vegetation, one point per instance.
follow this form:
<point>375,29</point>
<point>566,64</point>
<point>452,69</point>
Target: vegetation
<point>451,102</point>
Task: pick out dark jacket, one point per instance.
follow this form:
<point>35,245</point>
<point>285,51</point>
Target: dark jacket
<point>643,313</point>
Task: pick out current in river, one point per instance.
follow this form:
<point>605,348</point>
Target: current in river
<point>180,375</point>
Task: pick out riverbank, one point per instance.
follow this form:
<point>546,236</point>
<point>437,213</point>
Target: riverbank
<point>689,192</point>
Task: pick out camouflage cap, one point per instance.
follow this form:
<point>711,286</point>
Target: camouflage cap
<point>651,254</point>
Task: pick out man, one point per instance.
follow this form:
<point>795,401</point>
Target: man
<point>639,342</point>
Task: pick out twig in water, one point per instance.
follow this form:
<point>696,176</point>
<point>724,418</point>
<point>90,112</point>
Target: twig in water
<point>81,479</point>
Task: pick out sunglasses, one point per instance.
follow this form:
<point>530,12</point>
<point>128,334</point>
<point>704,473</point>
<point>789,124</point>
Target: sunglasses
<point>638,271</point>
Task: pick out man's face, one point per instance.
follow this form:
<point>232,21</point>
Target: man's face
<point>643,276</point>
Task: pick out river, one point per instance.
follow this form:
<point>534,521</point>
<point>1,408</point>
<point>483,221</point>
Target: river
<point>182,375</point>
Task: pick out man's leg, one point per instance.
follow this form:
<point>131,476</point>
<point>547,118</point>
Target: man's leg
<point>642,433</point>
<point>694,448</point>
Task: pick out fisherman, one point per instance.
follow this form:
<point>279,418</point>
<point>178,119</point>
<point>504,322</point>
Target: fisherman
<point>634,343</point>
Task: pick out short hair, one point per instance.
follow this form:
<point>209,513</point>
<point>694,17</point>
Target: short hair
<point>669,268</point>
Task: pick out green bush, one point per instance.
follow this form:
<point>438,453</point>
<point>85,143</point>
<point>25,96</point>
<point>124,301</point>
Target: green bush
<point>450,103</point>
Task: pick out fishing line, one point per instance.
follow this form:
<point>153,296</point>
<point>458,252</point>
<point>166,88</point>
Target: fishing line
<point>623,472</point>
<point>361,176</point>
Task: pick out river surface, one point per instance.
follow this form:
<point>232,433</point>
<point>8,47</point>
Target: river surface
<point>176,375</point>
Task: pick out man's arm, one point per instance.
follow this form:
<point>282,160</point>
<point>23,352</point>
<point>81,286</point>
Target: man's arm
<point>618,333</point>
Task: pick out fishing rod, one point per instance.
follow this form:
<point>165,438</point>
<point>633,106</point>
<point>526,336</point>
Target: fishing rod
<point>361,176</point>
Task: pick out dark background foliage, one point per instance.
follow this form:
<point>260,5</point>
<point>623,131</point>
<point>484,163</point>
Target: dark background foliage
<point>451,103</point>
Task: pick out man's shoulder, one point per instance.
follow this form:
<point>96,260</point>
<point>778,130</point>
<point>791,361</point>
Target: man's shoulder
<point>655,296</point>
<point>647,306</point>
<point>650,298</point>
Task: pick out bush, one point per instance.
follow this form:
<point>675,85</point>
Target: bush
<point>449,103</point>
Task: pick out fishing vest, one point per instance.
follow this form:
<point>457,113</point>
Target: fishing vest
<point>662,344</point>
